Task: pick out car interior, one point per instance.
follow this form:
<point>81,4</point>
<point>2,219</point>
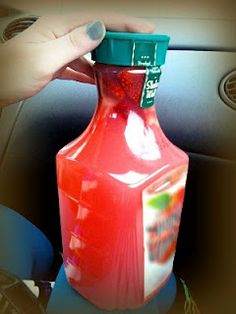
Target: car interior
<point>196,106</point>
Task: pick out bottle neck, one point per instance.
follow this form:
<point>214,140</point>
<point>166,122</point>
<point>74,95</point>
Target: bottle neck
<point>120,92</point>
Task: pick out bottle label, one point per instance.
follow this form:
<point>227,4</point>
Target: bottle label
<point>150,86</point>
<point>144,54</point>
<point>162,206</point>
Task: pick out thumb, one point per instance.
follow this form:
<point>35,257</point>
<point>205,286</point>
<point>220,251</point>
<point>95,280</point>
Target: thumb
<point>61,51</point>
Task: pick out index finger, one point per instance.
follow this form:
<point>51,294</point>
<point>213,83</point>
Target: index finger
<point>56,26</point>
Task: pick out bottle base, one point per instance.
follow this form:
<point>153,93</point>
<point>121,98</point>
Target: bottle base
<point>65,300</point>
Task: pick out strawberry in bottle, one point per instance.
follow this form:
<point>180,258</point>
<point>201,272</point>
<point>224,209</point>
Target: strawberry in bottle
<point>121,183</point>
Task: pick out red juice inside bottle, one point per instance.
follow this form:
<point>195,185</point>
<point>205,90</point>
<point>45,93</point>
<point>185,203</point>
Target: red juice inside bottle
<point>121,189</point>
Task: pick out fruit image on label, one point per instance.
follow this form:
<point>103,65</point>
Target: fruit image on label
<point>162,206</point>
<point>132,84</point>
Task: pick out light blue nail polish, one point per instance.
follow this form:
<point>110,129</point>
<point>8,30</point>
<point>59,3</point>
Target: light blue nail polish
<point>95,30</point>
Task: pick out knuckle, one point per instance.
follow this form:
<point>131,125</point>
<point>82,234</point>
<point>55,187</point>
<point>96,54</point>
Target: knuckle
<point>74,41</point>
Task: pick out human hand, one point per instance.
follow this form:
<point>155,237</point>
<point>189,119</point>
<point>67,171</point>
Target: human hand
<point>53,47</point>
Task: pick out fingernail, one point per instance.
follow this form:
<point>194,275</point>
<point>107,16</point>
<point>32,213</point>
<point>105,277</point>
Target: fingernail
<point>95,30</point>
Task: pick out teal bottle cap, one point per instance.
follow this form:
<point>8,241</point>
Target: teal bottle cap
<point>132,49</point>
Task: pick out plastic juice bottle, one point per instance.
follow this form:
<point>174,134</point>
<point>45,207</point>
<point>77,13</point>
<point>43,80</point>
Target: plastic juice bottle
<point>121,183</point>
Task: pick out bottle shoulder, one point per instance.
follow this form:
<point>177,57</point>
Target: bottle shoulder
<point>115,145</point>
